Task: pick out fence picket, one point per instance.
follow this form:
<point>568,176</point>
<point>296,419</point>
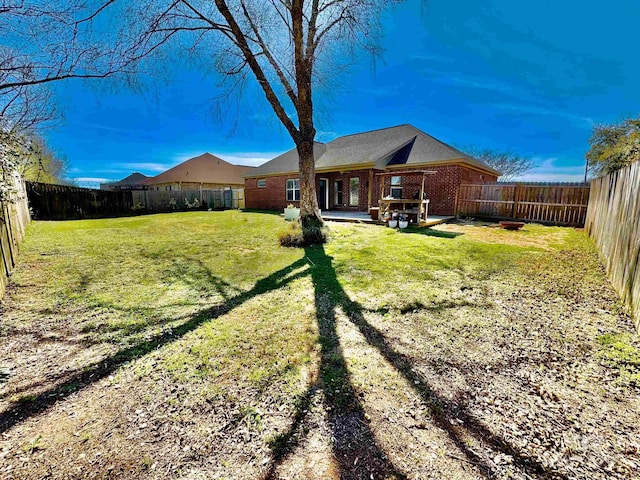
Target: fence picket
<point>560,204</point>
<point>63,202</point>
<point>14,217</point>
<point>613,221</point>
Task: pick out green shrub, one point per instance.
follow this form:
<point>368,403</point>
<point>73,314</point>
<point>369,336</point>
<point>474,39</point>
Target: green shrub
<point>295,236</point>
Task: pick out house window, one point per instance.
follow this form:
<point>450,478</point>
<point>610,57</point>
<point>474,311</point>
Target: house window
<point>354,191</point>
<point>396,187</point>
<point>293,190</point>
<point>337,193</point>
<point>262,182</point>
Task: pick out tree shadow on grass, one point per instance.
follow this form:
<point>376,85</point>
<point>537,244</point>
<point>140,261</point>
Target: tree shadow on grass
<point>355,448</point>
<point>429,232</point>
<point>198,277</point>
<point>450,416</point>
<point>81,378</point>
<point>356,451</point>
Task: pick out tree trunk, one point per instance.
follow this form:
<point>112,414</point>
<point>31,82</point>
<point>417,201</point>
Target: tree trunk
<point>309,211</point>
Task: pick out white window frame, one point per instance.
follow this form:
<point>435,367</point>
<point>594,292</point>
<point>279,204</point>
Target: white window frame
<point>261,182</point>
<point>338,192</point>
<point>292,187</point>
<point>357,194</point>
<point>396,185</point>
<point>326,193</point>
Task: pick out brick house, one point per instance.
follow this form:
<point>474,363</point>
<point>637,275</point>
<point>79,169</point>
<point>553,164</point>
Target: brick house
<point>347,171</point>
<point>204,172</point>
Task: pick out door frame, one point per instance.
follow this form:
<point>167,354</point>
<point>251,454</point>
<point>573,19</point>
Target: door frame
<point>326,193</point>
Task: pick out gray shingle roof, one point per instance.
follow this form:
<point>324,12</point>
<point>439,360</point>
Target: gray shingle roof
<point>287,162</point>
<point>136,178</point>
<point>374,149</point>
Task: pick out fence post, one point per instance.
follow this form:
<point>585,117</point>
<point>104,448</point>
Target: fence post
<point>516,193</point>
<point>12,231</point>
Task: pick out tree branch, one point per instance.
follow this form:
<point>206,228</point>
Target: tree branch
<point>222,28</point>
<point>337,21</point>
<point>95,14</point>
<point>253,63</point>
<point>267,53</point>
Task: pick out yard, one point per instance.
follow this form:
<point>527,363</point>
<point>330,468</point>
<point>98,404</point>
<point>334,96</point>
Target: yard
<point>192,345</point>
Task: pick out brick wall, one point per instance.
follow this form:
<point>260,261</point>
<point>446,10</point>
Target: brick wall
<point>363,188</point>
<point>190,186</point>
<point>273,195</point>
<point>440,189</point>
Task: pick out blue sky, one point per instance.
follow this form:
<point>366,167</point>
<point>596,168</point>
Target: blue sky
<point>531,77</point>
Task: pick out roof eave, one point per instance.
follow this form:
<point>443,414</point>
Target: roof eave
<point>451,161</point>
<point>334,168</point>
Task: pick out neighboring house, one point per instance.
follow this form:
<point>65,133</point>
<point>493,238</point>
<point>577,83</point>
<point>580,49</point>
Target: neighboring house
<point>347,171</point>
<point>205,172</point>
<point>132,182</point>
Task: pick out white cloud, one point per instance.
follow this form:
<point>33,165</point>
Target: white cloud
<point>90,179</point>
<point>90,182</point>
<point>577,120</point>
<point>548,170</point>
<point>147,166</point>
<point>433,57</point>
<point>477,84</point>
<point>252,159</point>
<point>552,177</point>
<point>180,157</point>
<point>107,128</point>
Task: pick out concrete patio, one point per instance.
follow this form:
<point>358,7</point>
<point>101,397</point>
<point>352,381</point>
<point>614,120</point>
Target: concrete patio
<point>362,217</point>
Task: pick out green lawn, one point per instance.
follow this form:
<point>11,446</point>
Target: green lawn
<point>192,345</point>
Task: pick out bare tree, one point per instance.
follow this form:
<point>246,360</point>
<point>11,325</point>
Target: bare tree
<point>47,41</point>
<point>51,40</point>
<point>508,163</point>
<point>282,44</point>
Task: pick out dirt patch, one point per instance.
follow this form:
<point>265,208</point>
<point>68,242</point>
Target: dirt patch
<point>531,235</point>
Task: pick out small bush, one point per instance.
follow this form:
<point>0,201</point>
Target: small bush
<point>294,236</point>
<point>315,235</point>
<point>291,236</point>
<point>191,205</point>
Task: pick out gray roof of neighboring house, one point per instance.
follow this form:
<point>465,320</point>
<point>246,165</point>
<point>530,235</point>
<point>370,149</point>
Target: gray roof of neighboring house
<point>400,145</point>
<point>135,178</point>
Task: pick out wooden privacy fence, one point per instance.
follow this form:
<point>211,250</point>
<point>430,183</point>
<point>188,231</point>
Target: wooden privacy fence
<point>64,202</point>
<point>552,203</point>
<point>613,221</point>
<point>14,218</point>
<point>162,200</point>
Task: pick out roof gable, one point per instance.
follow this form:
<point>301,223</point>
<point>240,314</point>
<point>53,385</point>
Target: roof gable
<point>399,145</point>
<point>136,178</point>
<point>205,168</point>
<point>401,156</point>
